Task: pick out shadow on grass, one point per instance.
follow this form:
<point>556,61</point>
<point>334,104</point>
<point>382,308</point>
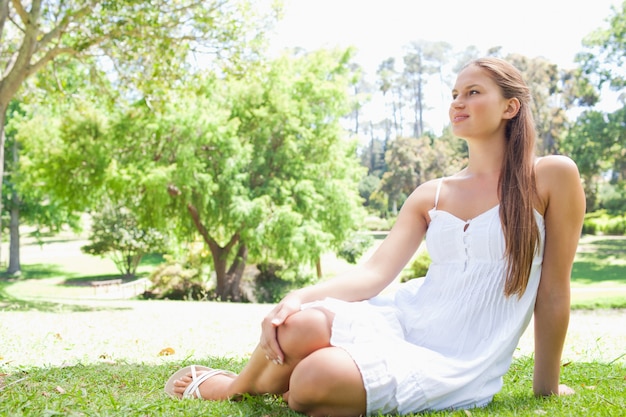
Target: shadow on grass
<point>152,259</point>
<point>86,280</point>
<point>10,303</point>
<point>600,260</point>
<point>596,271</point>
<point>37,271</point>
<point>123,389</point>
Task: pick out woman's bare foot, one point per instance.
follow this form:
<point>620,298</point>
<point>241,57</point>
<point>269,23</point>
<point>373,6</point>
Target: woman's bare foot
<point>214,388</point>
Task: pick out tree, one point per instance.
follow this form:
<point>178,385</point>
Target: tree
<point>289,189</point>
<point>588,143</point>
<point>421,61</point>
<point>389,82</point>
<point>255,163</point>
<point>140,40</point>
<point>116,232</point>
<point>548,106</point>
<point>24,198</point>
<point>404,159</point>
<point>605,51</point>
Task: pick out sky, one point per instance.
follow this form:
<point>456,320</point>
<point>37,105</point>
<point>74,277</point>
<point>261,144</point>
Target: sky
<point>552,29</point>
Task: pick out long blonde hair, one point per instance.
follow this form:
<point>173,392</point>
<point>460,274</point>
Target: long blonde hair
<point>516,187</point>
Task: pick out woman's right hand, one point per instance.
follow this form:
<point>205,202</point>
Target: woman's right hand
<point>269,327</point>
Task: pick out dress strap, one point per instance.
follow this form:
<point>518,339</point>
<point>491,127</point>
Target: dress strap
<point>437,193</point>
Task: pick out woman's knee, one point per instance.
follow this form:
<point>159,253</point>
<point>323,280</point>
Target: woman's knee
<point>305,332</point>
<point>327,382</point>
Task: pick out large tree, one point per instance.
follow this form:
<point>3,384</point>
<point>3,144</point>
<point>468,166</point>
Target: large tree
<point>139,40</point>
<point>256,164</point>
<point>285,187</point>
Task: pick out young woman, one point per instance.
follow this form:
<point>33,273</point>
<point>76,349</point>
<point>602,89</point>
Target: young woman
<point>502,234</point>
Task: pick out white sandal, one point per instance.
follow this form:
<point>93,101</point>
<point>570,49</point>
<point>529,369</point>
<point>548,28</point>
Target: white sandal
<point>193,389</point>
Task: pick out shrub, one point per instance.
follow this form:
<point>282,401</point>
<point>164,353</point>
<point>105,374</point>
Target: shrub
<point>274,281</point>
<point>418,267</point>
<point>353,248</point>
<point>615,226</point>
<point>182,280</point>
<point>601,222</point>
<point>115,231</point>
<point>172,281</point>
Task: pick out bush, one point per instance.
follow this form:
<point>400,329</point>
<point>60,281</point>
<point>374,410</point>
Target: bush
<point>172,281</point>
<point>418,267</point>
<point>274,281</point>
<point>116,232</point>
<point>601,222</point>
<point>182,280</point>
<point>353,248</point>
<point>615,226</point>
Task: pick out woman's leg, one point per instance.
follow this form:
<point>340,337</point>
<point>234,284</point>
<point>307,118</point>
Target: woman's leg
<point>327,383</point>
<point>302,334</point>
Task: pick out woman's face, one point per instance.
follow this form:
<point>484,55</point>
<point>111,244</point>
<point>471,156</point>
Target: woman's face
<point>478,109</point>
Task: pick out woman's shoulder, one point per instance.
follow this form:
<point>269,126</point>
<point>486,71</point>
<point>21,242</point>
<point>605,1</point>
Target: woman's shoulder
<point>424,196</point>
<point>555,164</point>
<point>555,170</point>
<point>557,177</point>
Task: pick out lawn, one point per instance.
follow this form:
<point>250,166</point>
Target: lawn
<point>65,353</point>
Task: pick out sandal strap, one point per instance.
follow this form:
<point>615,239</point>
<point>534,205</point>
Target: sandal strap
<point>194,386</point>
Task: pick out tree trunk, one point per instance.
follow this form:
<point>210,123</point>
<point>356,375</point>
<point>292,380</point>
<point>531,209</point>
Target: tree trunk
<point>228,288</point>
<point>233,276</point>
<point>14,226</point>
<point>14,247</point>
<point>3,115</point>
<point>318,268</point>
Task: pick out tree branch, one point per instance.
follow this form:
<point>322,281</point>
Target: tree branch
<point>67,19</point>
<point>213,245</point>
<point>49,56</point>
<point>17,5</point>
<point>4,14</point>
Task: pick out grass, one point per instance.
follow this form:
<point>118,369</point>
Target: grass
<point>599,273</point>
<point>59,357</point>
<point>136,390</point>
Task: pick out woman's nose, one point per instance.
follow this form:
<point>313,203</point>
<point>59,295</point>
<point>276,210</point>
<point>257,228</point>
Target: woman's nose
<point>457,103</point>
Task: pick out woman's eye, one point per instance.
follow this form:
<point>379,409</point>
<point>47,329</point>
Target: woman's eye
<point>472,92</point>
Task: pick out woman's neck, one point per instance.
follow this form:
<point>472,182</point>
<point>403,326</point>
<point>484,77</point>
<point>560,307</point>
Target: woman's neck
<point>485,157</point>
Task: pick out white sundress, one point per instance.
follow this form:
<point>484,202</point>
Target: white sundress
<point>444,341</point>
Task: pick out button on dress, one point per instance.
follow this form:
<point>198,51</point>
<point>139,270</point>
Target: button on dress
<point>443,341</point>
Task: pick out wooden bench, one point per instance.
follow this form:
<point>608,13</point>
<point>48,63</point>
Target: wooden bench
<point>106,285</point>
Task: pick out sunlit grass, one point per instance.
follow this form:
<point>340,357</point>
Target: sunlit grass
<point>137,390</point>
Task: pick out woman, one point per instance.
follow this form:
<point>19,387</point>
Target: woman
<point>502,234</point>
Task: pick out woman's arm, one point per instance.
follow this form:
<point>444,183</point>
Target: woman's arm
<point>366,280</point>
<point>559,187</point>
<point>372,276</point>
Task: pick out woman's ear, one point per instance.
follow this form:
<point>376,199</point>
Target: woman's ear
<point>512,108</point>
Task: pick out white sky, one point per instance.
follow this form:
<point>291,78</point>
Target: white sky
<point>552,29</point>
<point>379,29</point>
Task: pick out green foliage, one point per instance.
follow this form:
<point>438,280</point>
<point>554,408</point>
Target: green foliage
<point>605,50</point>
<point>418,266</point>
<point>274,281</point>
<point>173,281</point>
<point>184,279</point>
<point>601,222</point>
<point>353,248</point>
<point>367,186</point>
<point>116,232</point>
